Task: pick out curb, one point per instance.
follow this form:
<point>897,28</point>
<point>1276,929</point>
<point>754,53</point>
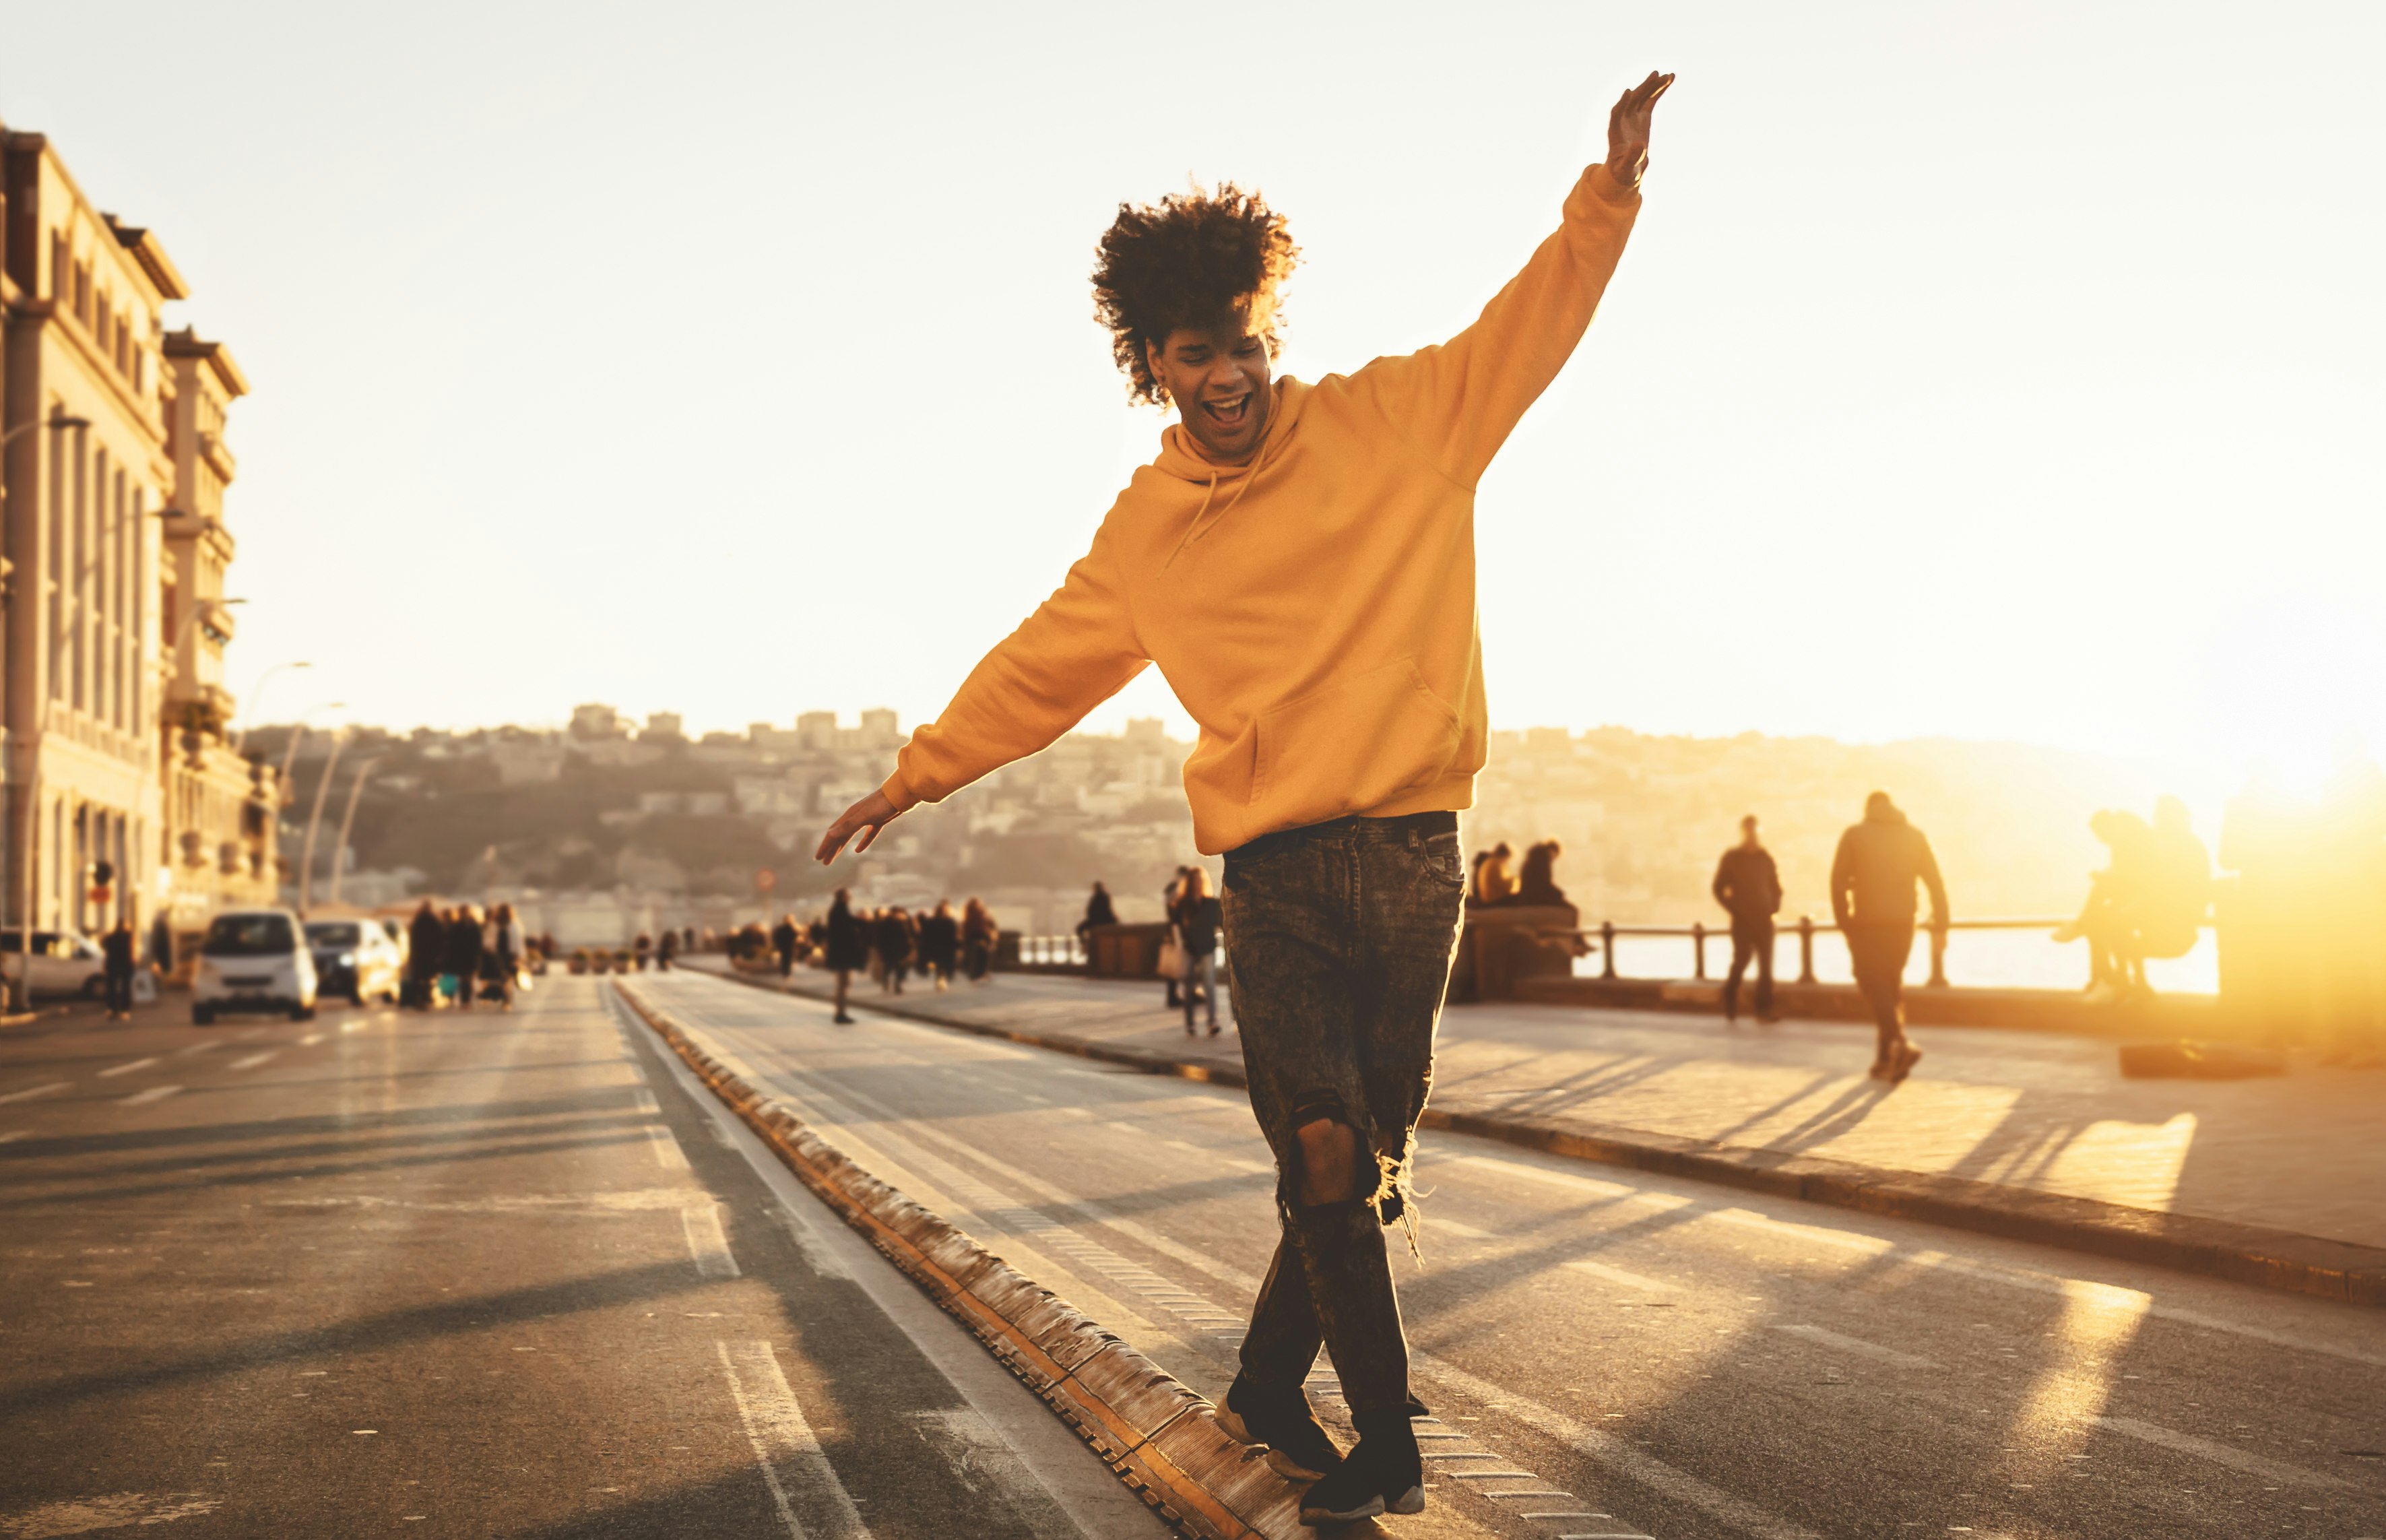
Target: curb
<point>2283,1259</point>
<point>1148,1426</point>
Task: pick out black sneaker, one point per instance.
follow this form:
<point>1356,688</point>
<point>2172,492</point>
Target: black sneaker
<point>1298,1445</point>
<point>1382,1474</point>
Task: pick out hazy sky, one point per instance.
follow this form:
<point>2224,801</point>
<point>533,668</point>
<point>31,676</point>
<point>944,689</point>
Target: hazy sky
<point>1998,370</point>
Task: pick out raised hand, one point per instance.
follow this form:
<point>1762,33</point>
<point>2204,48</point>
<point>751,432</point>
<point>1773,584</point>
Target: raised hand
<point>864,817</point>
<point>1628,129</point>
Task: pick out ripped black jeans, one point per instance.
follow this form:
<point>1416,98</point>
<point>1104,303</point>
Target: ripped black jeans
<point>1339,945</point>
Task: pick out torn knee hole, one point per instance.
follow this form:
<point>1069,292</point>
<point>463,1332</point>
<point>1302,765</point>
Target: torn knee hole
<point>1329,1160</point>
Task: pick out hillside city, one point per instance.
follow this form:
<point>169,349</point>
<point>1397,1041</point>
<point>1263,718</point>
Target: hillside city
<point>606,827</point>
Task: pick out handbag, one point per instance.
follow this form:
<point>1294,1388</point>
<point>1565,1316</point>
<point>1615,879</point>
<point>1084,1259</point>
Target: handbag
<point>1172,957</point>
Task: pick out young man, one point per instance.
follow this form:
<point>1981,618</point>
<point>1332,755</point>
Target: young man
<point>1872,876</point>
<point>1300,561</point>
<point>1748,886</point>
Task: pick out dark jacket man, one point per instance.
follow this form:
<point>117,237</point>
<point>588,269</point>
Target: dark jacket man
<point>1748,886</point>
<point>1872,877</point>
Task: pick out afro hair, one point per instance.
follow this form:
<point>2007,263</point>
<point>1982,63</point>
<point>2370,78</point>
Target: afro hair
<point>1191,259</point>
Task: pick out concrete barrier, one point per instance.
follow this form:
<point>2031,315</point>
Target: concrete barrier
<point>1160,1436</point>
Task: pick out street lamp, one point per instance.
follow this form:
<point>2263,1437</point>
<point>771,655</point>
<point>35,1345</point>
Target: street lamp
<point>298,730</point>
<point>348,823</point>
<point>256,692</point>
<point>60,419</point>
<point>315,821</point>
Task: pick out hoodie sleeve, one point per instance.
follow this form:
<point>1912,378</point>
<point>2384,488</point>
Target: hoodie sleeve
<point>1077,651</point>
<point>1459,400</point>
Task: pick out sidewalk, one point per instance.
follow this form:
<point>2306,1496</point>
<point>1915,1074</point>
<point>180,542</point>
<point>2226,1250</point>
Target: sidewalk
<point>2012,1130</point>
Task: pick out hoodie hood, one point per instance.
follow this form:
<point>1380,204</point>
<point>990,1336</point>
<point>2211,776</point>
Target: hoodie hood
<point>1180,454</point>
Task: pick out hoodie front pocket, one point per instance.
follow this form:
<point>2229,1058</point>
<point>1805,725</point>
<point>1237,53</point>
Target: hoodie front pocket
<point>1358,744</point>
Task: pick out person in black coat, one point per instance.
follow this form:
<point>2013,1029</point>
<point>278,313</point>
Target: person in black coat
<point>426,953</point>
<point>848,948</point>
<point>119,947</point>
<point>785,938</point>
<point>940,943</point>
<point>1748,885</point>
<point>463,957</point>
<point>898,944</point>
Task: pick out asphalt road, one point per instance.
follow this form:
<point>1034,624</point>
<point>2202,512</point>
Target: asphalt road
<point>465,1274</point>
<point>1610,1354</point>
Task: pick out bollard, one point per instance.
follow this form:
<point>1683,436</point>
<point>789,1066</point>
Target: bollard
<point>1805,949</point>
<point>1937,958</point>
<point>1607,948</point>
<point>1699,946</point>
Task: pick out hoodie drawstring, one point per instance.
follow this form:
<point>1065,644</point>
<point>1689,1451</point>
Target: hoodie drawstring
<point>1196,530</point>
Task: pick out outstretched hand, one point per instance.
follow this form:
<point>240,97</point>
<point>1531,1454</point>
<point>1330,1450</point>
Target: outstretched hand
<point>866,818</point>
<point>1628,129</point>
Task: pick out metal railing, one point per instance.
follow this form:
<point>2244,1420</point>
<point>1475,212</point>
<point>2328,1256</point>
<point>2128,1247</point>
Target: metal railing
<point>1805,930</point>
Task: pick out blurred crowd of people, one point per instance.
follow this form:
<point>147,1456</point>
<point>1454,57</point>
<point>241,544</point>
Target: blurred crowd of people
<point>454,954</point>
<point>889,945</point>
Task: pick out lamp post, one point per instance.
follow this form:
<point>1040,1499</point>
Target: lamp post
<point>257,693</point>
<point>347,821</point>
<point>315,821</point>
<point>298,730</point>
<point>59,420</point>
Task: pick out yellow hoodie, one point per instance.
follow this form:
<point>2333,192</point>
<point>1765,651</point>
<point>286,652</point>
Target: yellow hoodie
<point>1314,611</point>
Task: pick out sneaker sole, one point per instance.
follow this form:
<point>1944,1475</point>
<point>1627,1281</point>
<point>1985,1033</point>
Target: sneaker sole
<point>1368,1510</point>
<point>1290,1469</point>
<point>1278,1461</point>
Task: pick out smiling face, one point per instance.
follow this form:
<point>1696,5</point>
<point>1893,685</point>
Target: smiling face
<point>1218,376</point>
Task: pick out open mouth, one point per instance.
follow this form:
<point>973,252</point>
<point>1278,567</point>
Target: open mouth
<point>1229,414</point>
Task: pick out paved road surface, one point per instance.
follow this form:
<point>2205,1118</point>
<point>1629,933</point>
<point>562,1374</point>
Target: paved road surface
<point>2035,1109</point>
<point>468,1275</point>
<point>1613,1354</point>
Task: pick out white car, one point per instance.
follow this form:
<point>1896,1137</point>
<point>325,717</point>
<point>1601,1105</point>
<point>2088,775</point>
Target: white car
<point>63,963</point>
<point>254,960</point>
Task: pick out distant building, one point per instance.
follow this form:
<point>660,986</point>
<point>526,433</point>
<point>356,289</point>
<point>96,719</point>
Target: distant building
<point>816,732</point>
<point>597,721</point>
<point>879,730</point>
<point>664,725</point>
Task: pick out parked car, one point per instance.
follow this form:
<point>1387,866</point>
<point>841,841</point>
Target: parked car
<point>355,960</point>
<point>63,963</point>
<point>254,960</point>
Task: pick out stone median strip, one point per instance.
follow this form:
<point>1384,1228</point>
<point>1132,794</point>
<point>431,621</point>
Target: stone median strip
<point>2268,1258</point>
<point>1148,1426</point>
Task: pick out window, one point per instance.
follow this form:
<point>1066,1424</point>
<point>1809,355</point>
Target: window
<point>249,935</point>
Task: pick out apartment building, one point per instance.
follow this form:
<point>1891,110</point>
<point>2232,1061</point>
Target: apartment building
<point>115,615</point>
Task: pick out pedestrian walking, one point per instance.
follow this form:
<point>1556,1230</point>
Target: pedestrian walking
<point>785,939</point>
<point>666,950</point>
<point>1198,917</point>
<point>1172,967</point>
<point>642,951</point>
<point>505,948</point>
<point>898,945</point>
<point>1872,876</point>
<point>1299,561</point>
<point>460,965</point>
<point>119,951</point>
<point>426,956</point>
<point>848,948</point>
<point>940,944</point>
<point>1748,885</point>
<point>980,938</point>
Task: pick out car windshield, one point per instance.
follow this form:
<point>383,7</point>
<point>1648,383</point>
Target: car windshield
<point>330,933</point>
<point>248,935</point>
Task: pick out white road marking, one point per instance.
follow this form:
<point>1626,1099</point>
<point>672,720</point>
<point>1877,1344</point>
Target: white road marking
<point>29,1094</point>
<point>1858,1346</point>
<point>1465,1232</point>
<point>2219,1454</point>
<point>355,1023</point>
<point>127,1068</point>
<point>1617,1275</point>
<point>116,1510</point>
<point>784,1448</point>
<point>155,1094</point>
<point>13,1135</point>
<point>707,1242</point>
<point>310,1040</point>
<point>1595,1444</point>
<point>198,1047</point>
<point>644,1101</point>
<point>250,1062</point>
<point>668,1155</point>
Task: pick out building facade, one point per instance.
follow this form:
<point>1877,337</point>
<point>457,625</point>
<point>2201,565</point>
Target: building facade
<point>101,679</point>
